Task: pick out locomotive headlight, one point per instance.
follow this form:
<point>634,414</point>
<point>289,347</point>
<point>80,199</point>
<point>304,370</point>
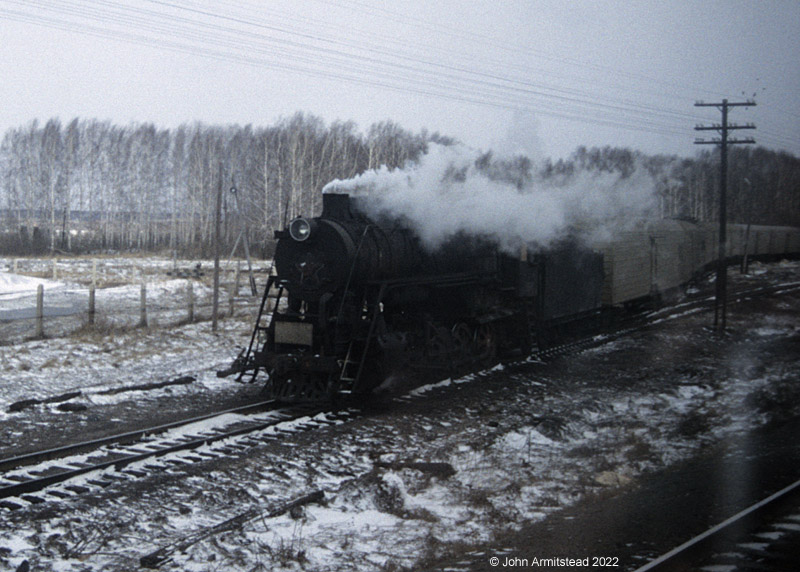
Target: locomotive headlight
<point>300,229</point>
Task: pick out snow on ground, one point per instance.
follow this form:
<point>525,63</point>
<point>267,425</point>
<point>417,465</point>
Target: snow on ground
<point>15,285</point>
<point>116,354</point>
<point>118,295</point>
<point>95,364</point>
<point>522,443</point>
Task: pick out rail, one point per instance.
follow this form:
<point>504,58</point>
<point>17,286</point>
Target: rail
<point>19,486</point>
<point>700,543</point>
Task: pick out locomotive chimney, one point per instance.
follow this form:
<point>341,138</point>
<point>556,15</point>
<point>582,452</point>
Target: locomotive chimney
<point>336,206</point>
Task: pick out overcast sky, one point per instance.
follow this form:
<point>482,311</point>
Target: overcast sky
<point>535,76</point>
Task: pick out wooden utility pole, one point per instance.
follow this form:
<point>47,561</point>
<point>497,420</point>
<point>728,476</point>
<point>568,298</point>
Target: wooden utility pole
<point>217,241</point>
<point>723,141</point>
<point>243,235</point>
<point>749,208</point>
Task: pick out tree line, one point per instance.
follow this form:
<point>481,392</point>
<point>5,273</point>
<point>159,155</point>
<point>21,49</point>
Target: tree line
<point>763,185</point>
<point>91,185</point>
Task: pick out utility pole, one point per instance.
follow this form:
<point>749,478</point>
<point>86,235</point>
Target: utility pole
<point>723,142</point>
<point>217,241</point>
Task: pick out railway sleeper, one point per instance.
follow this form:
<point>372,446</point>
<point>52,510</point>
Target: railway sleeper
<point>166,444</point>
<point>78,465</point>
<point>136,451</point>
<point>77,489</point>
<point>49,471</point>
<point>102,483</point>
<point>178,462</point>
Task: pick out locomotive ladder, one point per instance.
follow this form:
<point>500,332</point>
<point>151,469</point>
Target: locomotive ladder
<point>534,326</point>
<point>258,327</point>
<point>351,349</point>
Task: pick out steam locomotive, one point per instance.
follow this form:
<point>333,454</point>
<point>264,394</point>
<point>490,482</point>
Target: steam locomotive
<point>362,307</point>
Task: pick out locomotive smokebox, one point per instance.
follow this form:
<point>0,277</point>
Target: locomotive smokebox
<point>340,250</point>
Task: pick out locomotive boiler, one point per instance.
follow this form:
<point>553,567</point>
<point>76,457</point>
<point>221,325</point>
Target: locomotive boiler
<point>362,307</point>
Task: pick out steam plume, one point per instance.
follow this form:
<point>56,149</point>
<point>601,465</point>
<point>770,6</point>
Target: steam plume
<point>452,189</point>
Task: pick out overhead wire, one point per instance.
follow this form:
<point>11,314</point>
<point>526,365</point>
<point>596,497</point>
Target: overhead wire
<point>526,87</point>
<point>540,93</point>
<point>185,27</point>
<point>127,20</point>
<point>674,86</point>
<point>526,50</point>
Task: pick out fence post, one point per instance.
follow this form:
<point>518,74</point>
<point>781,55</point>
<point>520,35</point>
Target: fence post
<point>143,306</point>
<point>190,299</point>
<point>16,266</point>
<point>40,311</point>
<point>94,271</point>
<point>231,300</point>
<point>91,304</point>
<point>55,269</point>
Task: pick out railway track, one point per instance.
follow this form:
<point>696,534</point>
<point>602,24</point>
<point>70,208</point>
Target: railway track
<point>640,321</point>
<point>78,468</point>
<point>9,463</point>
<point>764,537</point>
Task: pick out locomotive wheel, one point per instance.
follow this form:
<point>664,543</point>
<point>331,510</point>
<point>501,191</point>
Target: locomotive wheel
<point>462,341</point>
<point>485,343</point>
<point>299,389</point>
<point>439,344</point>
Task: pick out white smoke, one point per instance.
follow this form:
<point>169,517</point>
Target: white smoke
<point>521,137</point>
<point>445,193</point>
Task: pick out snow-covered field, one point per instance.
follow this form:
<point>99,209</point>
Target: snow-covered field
<point>520,442</point>
<point>118,298</point>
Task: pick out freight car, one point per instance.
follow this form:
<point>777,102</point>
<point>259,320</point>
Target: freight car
<point>361,307</point>
<point>660,257</point>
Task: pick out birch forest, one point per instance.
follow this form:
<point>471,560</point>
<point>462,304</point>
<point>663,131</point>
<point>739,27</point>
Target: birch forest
<point>92,186</point>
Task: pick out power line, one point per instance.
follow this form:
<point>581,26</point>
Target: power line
<point>493,87</point>
<point>249,39</point>
<point>509,46</point>
<point>478,77</point>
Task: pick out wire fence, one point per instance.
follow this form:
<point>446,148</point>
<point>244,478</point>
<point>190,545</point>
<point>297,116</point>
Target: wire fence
<point>81,295</point>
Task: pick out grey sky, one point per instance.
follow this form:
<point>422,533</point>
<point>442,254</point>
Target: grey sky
<point>536,76</point>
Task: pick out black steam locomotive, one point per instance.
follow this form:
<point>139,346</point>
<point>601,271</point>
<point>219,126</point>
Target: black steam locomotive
<point>363,307</point>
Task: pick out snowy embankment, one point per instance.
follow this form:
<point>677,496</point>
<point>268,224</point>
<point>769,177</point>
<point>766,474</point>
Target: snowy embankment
<point>14,285</point>
<point>168,300</point>
<point>93,365</point>
<point>113,354</point>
